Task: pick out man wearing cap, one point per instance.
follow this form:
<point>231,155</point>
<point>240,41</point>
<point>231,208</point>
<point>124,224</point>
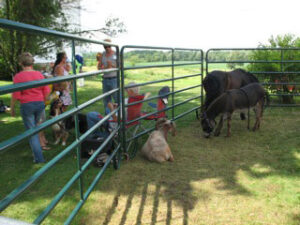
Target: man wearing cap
<point>109,81</point>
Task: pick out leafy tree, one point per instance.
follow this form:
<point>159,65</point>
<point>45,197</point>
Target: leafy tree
<point>52,14</point>
<point>280,41</point>
<point>42,13</point>
<point>237,56</point>
<point>113,27</point>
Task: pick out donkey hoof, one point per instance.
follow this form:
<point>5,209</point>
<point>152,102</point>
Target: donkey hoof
<point>217,134</point>
<point>242,116</point>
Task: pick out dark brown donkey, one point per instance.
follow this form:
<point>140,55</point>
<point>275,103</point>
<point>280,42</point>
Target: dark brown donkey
<point>252,95</point>
<point>217,82</point>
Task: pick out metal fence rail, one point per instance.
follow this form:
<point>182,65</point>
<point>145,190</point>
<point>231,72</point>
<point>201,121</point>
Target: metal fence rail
<point>77,177</point>
<point>282,62</point>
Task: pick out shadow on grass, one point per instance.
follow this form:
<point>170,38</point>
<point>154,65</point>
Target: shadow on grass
<point>217,162</point>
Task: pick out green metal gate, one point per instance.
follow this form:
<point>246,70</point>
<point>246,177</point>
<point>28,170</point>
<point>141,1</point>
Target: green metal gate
<point>172,78</point>
<point>118,135</point>
<point>81,167</point>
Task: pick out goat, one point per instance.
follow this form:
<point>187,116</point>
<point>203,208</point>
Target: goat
<point>156,147</point>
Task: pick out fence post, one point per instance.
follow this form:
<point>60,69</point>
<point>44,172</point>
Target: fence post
<point>123,137</point>
<point>119,98</point>
<point>173,88</point>
<point>78,155</point>
<point>201,80</point>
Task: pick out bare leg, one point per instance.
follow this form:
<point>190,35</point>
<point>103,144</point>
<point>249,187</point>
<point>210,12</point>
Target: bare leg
<point>43,141</point>
<point>111,107</point>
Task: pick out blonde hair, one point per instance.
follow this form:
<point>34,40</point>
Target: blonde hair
<point>135,90</point>
<point>26,59</point>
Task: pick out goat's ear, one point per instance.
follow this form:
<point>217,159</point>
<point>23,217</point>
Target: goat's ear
<point>159,123</point>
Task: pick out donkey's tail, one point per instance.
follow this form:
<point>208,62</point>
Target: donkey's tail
<point>266,99</point>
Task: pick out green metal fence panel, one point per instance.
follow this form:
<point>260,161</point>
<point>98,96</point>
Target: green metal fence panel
<point>115,135</point>
<point>118,134</point>
<point>126,140</point>
<point>278,69</point>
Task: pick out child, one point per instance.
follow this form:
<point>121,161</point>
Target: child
<point>132,113</point>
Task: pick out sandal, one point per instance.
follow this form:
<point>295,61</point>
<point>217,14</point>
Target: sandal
<point>46,148</point>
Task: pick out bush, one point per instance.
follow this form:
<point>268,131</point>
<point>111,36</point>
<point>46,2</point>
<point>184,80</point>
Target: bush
<point>285,41</point>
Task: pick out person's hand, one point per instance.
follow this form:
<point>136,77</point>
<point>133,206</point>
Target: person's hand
<point>147,95</point>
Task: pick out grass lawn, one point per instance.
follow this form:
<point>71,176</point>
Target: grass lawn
<point>250,178</point>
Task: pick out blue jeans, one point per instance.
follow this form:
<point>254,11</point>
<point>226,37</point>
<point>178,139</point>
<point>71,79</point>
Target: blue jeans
<point>31,113</point>
<point>109,84</point>
<point>93,118</point>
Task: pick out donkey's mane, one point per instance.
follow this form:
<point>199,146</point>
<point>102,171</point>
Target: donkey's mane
<point>251,77</point>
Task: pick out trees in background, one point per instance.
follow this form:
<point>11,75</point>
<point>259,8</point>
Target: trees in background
<point>53,14</point>
<point>42,13</point>
<point>280,41</point>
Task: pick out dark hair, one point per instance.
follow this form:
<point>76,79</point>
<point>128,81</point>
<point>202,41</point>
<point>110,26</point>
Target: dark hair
<point>59,58</point>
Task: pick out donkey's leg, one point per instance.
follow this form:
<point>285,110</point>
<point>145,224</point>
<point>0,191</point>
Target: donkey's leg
<point>229,124</point>
<point>258,114</point>
<point>242,116</point>
<point>220,125</point>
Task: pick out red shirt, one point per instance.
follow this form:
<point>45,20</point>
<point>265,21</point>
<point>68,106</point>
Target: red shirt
<point>134,111</point>
<point>30,95</point>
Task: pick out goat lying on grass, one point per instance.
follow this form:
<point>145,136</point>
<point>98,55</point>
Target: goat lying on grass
<point>156,148</point>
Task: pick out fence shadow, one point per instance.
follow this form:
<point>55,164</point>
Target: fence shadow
<point>212,162</point>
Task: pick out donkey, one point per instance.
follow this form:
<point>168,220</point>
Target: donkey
<point>252,95</point>
<point>217,82</point>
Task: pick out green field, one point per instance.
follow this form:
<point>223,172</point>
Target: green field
<point>249,178</point>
